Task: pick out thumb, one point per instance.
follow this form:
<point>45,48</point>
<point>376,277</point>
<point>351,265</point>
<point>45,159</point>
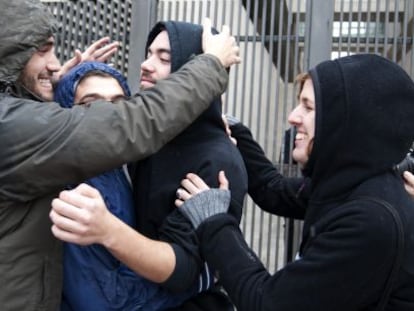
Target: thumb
<point>206,31</point>
<point>224,183</point>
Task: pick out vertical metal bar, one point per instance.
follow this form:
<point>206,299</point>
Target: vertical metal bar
<point>177,10</point>
<point>230,23</point>
<point>70,31</point>
<point>259,102</point>
<point>404,49</point>
<point>279,61</point>
<point>377,21</point>
<point>120,36</point>
<point>369,25</point>
<point>125,38</point>
<point>192,15</point>
<point>387,24</point>
<point>358,45</point>
<point>253,85</point>
<point>396,21</point>
<point>243,86</point>
<point>200,12</point>
<point>245,53</point>
<point>270,68</point>
<point>185,11</point>
<point>318,43</point>
<point>237,70</point>
<point>111,16</point>
<point>341,23</point>
<point>215,12</point>
<point>143,16</point>
<point>349,27</point>
<point>63,40</point>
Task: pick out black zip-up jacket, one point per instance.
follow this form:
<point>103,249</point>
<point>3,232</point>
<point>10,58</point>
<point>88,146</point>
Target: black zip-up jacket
<point>359,219</point>
<point>203,148</point>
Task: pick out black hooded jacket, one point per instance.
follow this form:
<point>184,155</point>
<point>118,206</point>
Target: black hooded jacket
<point>358,229</point>
<point>203,148</point>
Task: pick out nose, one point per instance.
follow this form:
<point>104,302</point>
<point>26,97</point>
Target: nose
<point>147,65</point>
<point>53,63</point>
<point>295,116</point>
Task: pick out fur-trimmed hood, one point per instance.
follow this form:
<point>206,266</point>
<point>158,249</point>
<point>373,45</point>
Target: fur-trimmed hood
<point>25,25</point>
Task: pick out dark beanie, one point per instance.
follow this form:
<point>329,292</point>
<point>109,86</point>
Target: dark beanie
<point>66,88</point>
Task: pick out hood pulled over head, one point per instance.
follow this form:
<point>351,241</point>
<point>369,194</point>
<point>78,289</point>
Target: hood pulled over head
<point>66,88</point>
<point>25,25</point>
<point>364,122</point>
<point>185,42</point>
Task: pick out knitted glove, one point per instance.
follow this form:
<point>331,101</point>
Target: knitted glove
<point>205,204</point>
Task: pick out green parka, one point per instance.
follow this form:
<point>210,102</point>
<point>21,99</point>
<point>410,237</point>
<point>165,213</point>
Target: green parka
<point>45,147</point>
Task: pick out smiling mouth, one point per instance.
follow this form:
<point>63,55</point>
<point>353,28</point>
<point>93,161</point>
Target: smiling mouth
<point>300,136</point>
<point>45,82</point>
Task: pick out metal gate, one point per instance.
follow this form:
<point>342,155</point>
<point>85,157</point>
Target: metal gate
<point>278,40</point>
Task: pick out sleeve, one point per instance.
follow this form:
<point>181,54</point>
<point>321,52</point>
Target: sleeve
<point>269,189</point>
<point>45,147</point>
<point>178,231</point>
<point>343,267</point>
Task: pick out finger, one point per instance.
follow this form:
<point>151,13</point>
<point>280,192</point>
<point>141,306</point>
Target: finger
<point>106,55</point>
<point>224,183</point>
<point>192,188</point>
<point>197,181</point>
<point>206,32</point>
<point>207,26</point>
<point>97,44</point>
<point>64,223</point>
<point>178,203</point>
<point>85,190</point>
<point>225,29</point>
<point>107,49</point>
<point>183,195</point>
<point>78,56</point>
<point>64,209</point>
<point>66,236</point>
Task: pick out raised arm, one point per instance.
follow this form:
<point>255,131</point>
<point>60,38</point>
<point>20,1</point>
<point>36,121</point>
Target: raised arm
<point>269,189</point>
<point>45,147</point>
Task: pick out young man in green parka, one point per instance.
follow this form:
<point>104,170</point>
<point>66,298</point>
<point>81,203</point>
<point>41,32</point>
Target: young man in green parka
<point>45,147</point>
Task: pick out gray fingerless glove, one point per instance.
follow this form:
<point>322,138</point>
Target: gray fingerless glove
<point>205,204</point>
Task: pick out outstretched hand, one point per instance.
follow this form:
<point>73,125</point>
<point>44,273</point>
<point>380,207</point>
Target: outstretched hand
<point>221,45</point>
<point>101,50</point>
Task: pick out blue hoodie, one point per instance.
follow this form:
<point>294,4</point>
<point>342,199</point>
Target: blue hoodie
<point>93,278</point>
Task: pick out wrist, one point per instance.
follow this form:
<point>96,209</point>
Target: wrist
<point>113,226</point>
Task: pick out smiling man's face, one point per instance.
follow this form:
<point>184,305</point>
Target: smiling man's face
<point>38,74</point>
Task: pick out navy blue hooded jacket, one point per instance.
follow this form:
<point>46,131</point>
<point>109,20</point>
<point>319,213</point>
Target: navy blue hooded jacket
<point>358,223</point>
<point>203,148</point>
<point>93,278</point>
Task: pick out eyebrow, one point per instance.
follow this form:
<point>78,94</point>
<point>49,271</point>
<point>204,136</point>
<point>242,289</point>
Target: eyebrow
<point>160,50</point>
